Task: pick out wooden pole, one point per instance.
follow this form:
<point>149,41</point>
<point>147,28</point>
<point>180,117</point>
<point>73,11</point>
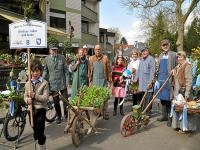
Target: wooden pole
<point>29,86</point>
<point>154,97</point>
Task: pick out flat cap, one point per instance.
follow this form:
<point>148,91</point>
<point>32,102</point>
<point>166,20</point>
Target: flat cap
<point>165,41</point>
<point>53,46</point>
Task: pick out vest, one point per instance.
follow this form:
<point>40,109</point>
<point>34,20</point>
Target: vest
<point>181,75</point>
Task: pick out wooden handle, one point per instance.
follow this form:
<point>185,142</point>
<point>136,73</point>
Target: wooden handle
<point>29,86</point>
<point>156,94</point>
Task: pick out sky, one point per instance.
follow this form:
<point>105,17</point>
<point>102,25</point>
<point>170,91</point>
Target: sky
<point>113,14</point>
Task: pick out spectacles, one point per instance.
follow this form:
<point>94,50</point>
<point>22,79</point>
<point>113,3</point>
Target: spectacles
<point>165,45</point>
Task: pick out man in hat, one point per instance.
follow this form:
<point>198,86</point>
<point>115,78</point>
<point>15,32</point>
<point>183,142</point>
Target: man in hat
<point>145,76</point>
<point>167,61</point>
<point>55,72</point>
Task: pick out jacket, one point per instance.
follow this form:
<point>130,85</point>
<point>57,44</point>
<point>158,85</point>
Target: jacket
<point>41,90</point>
<point>106,64</point>
<point>55,72</point>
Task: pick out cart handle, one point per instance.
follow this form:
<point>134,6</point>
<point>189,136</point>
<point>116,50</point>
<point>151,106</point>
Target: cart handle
<point>157,94</point>
<point>76,112</point>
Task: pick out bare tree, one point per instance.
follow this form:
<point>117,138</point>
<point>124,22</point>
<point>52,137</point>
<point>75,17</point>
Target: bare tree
<point>176,6</point>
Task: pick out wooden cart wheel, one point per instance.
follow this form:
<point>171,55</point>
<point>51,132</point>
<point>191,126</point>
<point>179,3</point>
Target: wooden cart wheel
<point>127,126</point>
<point>77,130</point>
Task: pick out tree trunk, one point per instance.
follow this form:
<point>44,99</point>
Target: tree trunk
<point>179,42</point>
<point>180,22</point>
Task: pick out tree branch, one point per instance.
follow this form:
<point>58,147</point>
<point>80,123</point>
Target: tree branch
<point>144,3</point>
<point>190,9</point>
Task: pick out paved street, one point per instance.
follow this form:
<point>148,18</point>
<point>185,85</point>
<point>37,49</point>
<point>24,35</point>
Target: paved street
<point>156,136</point>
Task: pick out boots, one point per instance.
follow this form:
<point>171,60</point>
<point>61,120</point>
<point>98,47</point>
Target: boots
<point>115,107</point>
<point>169,120</point>
<point>163,115</point>
<point>121,110</point>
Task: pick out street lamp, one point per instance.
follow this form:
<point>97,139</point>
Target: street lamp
<point>71,33</point>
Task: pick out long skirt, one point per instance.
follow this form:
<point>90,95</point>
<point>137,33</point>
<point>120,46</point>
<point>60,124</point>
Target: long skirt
<point>193,121</point>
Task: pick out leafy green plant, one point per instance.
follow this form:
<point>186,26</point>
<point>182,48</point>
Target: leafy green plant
<point>52,40</point>
<point>13,95</point>
<point>6,58</point>
<point>92,96</point>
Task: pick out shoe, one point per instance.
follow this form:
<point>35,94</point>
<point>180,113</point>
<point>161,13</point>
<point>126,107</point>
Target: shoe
<point>184,132</point>
<point>121,110</point>
<point>122,113</point>
<point>58,120</point>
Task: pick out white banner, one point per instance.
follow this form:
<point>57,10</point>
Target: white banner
<point>32,34</point>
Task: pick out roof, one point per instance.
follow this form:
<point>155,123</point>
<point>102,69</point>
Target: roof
<point>105,31</point>
<point>13,18</point>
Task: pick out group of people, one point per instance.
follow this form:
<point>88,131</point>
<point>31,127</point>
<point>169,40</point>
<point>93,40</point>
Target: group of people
<point>51,79</point>
<point>150,74</point>
<point>96,70</point>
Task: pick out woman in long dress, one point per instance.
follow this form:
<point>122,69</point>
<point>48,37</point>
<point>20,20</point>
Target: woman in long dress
<point>182,85</point>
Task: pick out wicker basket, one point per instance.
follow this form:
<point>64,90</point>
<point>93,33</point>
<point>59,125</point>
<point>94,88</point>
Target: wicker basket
<point>190,110</point>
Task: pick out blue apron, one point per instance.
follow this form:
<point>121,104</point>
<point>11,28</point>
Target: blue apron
<point>162,76</point>
<point>98,77</point>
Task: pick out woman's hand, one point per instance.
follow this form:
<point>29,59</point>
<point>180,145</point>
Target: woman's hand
<point>121,79</point>
<point>186,99</point>
<point>78,62</point>
<point>173,71</point>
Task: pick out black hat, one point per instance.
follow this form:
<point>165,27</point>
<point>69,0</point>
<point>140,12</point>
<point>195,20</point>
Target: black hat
<point>53,46</point>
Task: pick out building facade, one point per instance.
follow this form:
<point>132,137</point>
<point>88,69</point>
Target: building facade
<point>78,18</point>
<point>107,41</point>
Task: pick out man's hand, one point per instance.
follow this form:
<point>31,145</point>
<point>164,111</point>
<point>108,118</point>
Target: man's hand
<point>135,81</point>
<point>149,86</point>
<point>78,62</point>
<point>109,84</point>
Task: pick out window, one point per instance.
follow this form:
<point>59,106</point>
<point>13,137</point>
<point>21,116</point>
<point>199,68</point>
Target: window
<point>85,27</point>
<point>58,22</point>
<point>101,38</point>
<point>17,7</point>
